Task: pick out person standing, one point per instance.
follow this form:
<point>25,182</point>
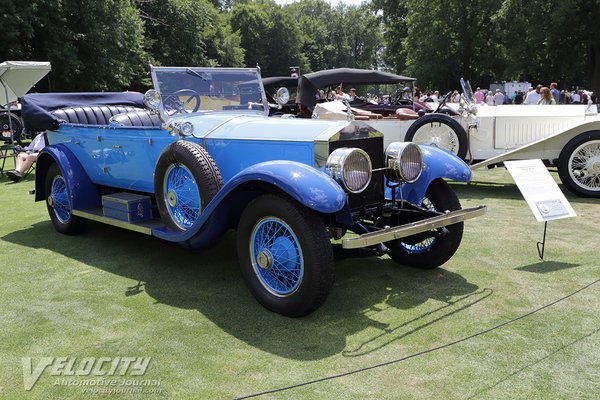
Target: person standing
<point>555,92</point>
<point>489,98</point>
<point>545,97</point>
<point>533,96</point>
<point>498,98</point>
<point>575,97</point>
<point>478,96</point>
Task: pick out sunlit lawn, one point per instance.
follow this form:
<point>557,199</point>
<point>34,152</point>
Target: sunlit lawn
<point>114,293</point>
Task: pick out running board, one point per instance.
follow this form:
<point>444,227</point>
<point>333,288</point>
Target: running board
<point>95,214</point>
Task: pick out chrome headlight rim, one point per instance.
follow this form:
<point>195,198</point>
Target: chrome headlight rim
<point>339,162</point>
<point>401,158</point>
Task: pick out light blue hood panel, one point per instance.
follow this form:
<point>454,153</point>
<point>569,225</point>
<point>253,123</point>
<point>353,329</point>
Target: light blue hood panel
<point>250,127</point>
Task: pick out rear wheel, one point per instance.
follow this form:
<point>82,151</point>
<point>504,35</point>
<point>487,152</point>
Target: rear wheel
<point>285,255</point>
<point>579,164</point>
<point>434,248</point>
<point>441,131</point>
<point>59,206</point>
<point>6,121</point>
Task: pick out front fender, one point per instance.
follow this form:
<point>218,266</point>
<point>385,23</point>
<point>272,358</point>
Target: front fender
<point>307,185</point>
<point>83,193</point>
<point>438,163</point>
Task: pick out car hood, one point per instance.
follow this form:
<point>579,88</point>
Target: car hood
<point>251,127</point>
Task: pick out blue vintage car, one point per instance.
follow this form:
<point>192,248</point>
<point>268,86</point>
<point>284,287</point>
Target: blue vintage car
<point>199,154</point>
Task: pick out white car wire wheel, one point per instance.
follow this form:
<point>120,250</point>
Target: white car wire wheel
<point>579,164</point>
<point>441,131</point>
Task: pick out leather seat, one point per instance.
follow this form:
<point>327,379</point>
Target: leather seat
<point>91,115</point>
<point>137,117</point>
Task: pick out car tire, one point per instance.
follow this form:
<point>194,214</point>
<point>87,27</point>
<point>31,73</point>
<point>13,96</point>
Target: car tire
<point>17,127</point>
<point>439,130</point>
<point>185,181</point>
<point>431,252</point>
<point>59,205</point>
<point>285,255</point>
<point>579,164</point>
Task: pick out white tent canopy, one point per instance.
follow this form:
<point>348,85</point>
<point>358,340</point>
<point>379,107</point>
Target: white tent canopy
<point>17,77</point>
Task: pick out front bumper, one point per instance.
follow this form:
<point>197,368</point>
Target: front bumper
<point>401,231</point>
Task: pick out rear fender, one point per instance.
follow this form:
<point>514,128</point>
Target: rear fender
<point>82,191</point>
<point>438,163</point>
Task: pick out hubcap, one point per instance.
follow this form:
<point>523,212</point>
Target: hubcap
<point>276,256</point>
<point>172,198</point>
<point>264,259</point>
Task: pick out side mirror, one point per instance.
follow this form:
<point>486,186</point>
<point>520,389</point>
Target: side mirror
<point>282,96</point>
<point>152,99</point>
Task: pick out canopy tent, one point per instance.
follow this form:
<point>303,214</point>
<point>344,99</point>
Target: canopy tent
<point>309,84</point>
<point>17,77</point>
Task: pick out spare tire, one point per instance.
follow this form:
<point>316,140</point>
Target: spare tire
<point>185,181</point>
<point>441,131</point>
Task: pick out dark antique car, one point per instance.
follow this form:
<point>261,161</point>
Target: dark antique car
<point>199,155</point>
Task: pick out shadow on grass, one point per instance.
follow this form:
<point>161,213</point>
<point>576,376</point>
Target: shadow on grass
<point>210,282</point>
<point>543,267</point>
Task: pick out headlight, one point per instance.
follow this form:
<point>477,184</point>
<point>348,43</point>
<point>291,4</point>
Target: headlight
<point>351,168</point>
<point>152,99</point>
<point>404,161</point>
<point>177,127</point>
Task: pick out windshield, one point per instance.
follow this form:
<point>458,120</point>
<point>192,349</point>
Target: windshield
<point>190,90</point>
<point>468,92</point>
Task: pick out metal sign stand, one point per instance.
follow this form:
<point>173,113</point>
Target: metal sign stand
<point>541,245</point>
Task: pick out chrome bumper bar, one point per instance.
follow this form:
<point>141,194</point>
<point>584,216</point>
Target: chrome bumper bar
<point>398,232</point>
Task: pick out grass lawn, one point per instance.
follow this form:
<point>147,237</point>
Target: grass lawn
<point>114,293</point>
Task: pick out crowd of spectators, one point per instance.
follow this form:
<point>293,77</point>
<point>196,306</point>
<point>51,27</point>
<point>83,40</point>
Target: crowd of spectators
<point>539,95</point>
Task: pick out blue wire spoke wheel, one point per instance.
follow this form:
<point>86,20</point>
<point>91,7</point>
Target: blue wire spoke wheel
<point>430,251</point>
<point>182,196</point>
<point>276,256</point>
<point>425,244</point>
<point>59,199</point>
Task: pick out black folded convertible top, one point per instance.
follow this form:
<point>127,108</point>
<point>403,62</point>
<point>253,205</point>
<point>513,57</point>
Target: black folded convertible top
<point>36,108</point>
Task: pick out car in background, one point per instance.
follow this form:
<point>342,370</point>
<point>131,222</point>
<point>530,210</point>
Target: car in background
<point>199,154</point>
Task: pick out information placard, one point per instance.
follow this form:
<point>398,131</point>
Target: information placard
<point>540,190</point>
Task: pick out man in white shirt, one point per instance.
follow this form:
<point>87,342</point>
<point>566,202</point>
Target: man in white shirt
<point>533,96</point>
<point>498,98</point>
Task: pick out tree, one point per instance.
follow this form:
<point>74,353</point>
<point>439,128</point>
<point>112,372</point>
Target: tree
<point>270,36</point>
<point>184,32</point>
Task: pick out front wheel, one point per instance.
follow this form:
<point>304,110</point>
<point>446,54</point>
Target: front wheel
<point>59,206</point>
<point>285,255</point>
<point>579,164</point>
<point>441,131</point>
<point>434,248</point>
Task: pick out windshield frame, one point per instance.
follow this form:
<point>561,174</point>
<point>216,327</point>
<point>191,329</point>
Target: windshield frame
<point>199,72</point>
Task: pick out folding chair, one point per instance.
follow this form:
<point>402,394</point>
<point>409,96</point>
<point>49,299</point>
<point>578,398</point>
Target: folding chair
<point>7,152</point>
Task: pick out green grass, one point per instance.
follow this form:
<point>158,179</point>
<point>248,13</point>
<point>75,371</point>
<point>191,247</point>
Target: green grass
<point>114,293</point>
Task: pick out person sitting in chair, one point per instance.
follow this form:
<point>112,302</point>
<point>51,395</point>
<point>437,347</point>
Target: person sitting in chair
<point>26,157</point>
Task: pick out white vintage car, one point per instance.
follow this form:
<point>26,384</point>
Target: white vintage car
<point>566,136</point>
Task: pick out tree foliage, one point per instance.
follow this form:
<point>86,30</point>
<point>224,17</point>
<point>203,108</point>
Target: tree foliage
<point>107,44</point>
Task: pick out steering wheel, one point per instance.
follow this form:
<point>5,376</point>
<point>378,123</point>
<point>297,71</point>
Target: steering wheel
<point>443,102</point>
<point>173,104</point>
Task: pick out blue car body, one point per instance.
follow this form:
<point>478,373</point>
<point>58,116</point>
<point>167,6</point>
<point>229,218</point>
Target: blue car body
<point>93,152</point>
